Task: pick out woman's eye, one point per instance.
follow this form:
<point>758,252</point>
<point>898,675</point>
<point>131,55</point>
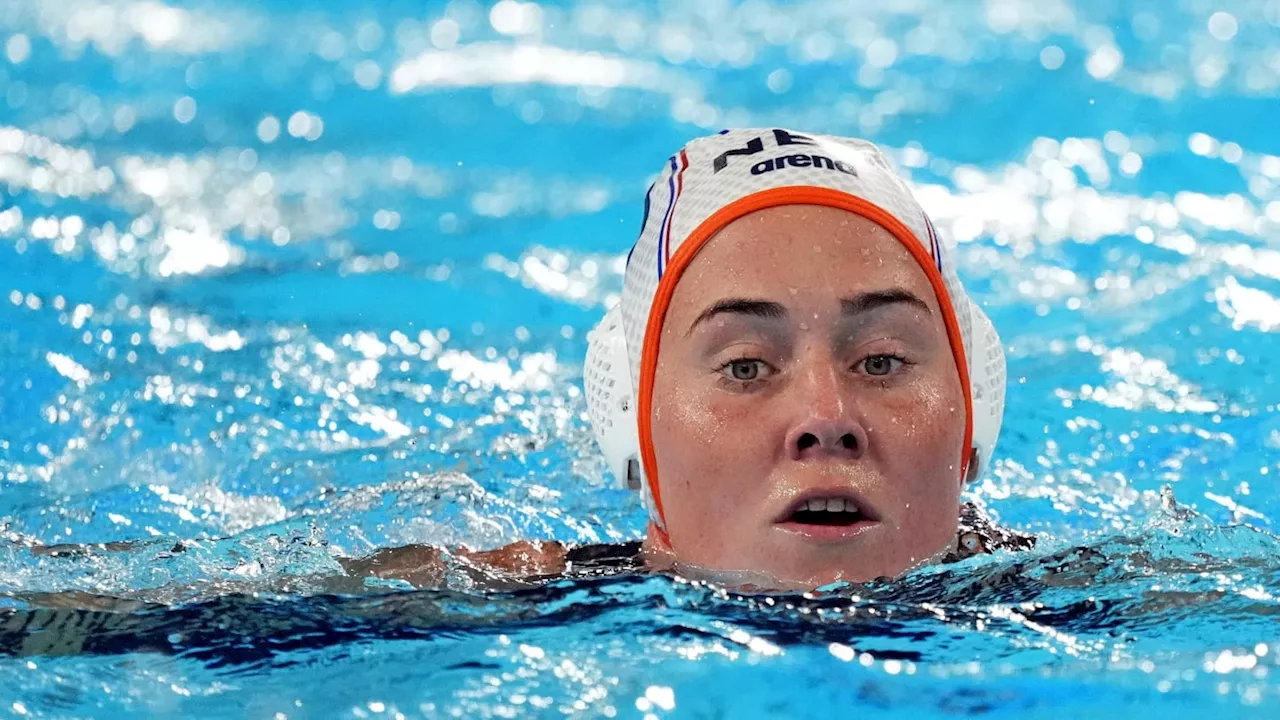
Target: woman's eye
<point>880,364</point>
<point>745,370</point>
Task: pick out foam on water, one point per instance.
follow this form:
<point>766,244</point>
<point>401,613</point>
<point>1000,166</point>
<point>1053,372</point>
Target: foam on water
<point>284,282</point>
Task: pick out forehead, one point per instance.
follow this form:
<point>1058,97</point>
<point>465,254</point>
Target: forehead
<point>800,250</point>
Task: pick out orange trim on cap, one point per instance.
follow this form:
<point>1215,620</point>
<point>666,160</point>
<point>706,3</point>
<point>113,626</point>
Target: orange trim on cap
<point>798,195</point>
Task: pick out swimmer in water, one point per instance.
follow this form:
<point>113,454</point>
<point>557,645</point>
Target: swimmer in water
<point>795,380</point>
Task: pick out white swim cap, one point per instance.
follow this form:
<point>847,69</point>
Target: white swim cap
<point>710,183</point>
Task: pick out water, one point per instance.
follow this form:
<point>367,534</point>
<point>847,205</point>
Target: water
<point>291,281</point>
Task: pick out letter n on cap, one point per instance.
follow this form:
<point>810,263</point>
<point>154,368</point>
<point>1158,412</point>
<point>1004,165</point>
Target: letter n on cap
<point>754,146</point>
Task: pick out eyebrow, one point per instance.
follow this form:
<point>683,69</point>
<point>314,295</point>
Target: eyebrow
<point>765,309</point>
<point>769,310</point>
<point>866,302</point>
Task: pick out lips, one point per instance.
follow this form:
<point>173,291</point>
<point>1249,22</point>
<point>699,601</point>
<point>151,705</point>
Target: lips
<point>827,515</point>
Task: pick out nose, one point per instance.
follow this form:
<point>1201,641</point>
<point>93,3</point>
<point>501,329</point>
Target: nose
<point>827,424</point>
<point>827,437</point>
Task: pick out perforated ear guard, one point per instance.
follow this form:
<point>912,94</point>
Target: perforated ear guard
<point>611,402</point>
<point>987,378</point>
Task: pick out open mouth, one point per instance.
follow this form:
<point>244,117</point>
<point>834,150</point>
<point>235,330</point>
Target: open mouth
<point>829,512</point>
<point>827,517</point>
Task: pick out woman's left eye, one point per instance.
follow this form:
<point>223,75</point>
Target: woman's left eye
<point>880,365</point>
<point>745,369</point>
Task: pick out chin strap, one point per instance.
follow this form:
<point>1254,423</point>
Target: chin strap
<point>973,468</point>
<point>659,533</point>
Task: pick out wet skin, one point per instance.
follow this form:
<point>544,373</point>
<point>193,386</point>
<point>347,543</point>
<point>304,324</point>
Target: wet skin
<point>804,356</point>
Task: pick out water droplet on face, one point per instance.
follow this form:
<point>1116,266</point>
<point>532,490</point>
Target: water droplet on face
<point>804,326</point>
<point>792,290</point>
<point>817,248</point>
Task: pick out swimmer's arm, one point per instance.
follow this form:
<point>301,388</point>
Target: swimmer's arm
<point>419,565</point>
<point>427,566</point>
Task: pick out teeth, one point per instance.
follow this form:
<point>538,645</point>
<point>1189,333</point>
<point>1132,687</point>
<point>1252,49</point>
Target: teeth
<point>832,505</point>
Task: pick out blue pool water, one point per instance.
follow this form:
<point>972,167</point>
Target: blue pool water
<point>288,281</point>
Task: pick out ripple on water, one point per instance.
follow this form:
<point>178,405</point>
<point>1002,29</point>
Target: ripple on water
<point>285,282</point>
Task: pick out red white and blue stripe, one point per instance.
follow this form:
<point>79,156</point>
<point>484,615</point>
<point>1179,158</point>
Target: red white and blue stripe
<point>675,184</point>
<point>935,247</point>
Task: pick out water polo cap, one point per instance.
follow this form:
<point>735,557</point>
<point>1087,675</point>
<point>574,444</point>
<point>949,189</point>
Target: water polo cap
<point>710,183</point>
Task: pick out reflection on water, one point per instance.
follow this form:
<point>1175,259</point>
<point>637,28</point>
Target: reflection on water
<point>288,282</point>
<point>1110,605</point>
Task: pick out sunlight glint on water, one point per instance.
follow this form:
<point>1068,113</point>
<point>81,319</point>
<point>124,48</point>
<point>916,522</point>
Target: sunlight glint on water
<point>282,282</point>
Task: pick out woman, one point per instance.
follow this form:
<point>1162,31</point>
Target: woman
<point>794,379</point>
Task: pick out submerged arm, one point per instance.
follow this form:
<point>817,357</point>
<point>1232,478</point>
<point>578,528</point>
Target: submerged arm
<point>419,565</point>
<point>427,566</point>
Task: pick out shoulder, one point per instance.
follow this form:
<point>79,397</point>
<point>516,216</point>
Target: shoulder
<point>604,559</point>
<point>517,564</point>
<point>977,534</point>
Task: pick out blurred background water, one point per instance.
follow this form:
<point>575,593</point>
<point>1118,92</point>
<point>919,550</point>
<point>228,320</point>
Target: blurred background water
<point>288,281</point>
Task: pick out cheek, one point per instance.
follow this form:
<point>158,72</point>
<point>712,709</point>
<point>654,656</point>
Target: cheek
<point>704,441</point>
<point>687,431</point>
<point>932,403</point>
<point>919,450</point>
<point>931,415</point>
<point>922,438</point>
<point>944,410</point>
<point>932,440</point>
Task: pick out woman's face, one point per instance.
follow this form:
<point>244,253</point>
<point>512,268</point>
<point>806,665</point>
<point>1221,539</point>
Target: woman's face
<point>807,411</point>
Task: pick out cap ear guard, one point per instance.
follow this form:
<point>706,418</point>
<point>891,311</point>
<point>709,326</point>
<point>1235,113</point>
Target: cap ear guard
<point>987,377</point>
<point>610,402</point>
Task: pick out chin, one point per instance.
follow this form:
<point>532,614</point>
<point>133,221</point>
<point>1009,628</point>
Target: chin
<point>849,575</point>
<point>804,583</point>
<point>810,576</point>
<point>787,578</point>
